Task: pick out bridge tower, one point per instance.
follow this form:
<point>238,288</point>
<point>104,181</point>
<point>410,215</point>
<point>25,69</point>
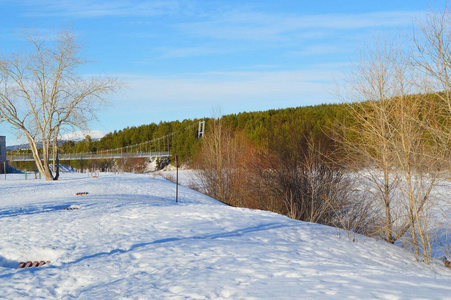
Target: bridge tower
<point>201,130</point>
<point>2,152</point>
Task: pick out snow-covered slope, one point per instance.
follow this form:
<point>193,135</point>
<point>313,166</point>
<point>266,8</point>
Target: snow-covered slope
<point>129,239</point>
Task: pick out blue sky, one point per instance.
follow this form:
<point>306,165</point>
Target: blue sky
<point>180,59</point>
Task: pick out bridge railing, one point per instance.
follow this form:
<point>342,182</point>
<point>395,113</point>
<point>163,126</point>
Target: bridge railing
<point>89,156</point>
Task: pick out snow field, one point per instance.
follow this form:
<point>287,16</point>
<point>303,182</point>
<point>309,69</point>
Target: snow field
<point>128,239</point>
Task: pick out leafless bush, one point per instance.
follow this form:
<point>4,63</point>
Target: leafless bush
<point>298,174</point>
<point>292,174</point>
<point>221,164</point>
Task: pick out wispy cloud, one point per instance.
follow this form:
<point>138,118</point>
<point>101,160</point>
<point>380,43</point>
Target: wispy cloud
<point>192,51</point>
<point>319,49</point>
<point>303,86</point>
<point>268,26</point>
<point>221,20</point>
<point>89,9</point>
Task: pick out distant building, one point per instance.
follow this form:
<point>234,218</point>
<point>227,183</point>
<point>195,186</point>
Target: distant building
<point>2,151</point>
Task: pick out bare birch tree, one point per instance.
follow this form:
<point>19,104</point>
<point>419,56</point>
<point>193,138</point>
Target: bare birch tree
<point>369,87</point>
<point>432,59</point>
<point>418,160</point>
<point>395,133</point>
<point>41,92</point>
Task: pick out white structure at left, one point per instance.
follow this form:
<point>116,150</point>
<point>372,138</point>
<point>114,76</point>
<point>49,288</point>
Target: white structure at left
<point>2,149</point>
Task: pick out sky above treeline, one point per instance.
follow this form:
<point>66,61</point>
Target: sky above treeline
<point>182,59</point>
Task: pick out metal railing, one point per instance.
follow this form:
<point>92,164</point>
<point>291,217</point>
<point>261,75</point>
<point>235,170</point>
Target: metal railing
<point>88,156</point>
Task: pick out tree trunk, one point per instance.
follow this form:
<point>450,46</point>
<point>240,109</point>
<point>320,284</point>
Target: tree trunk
<point>42,165</point>
<point>57,162</point>
<point>388,220</point>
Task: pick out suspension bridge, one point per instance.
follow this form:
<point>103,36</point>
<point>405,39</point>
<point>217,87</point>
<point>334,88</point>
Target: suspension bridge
<point>157,147</point>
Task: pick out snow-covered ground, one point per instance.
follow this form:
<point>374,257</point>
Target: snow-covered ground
<point>187,177</point>
<point>129,239</point>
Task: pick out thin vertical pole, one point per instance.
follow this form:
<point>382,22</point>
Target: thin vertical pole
<point>176,178</point>
<point>4,168</point>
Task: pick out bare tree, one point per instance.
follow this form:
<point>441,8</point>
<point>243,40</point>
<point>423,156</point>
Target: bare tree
<point>432,58</point>
<point>41,92</point>
<point>419,159</point>
<point>368,89</point>
<point>396,134</point>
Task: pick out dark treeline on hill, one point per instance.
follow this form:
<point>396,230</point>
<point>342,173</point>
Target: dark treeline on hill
<point>255,126</point>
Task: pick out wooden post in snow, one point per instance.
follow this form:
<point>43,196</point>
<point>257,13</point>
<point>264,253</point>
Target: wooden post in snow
<point>176,178</point>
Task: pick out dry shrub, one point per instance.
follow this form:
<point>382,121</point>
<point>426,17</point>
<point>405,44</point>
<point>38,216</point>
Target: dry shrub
<point>299,176</point>
<point>293,174</point>
<point>221,164</point>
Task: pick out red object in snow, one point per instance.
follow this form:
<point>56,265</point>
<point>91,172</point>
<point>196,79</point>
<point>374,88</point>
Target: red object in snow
<point>30,264</point>
<point>81,193</point>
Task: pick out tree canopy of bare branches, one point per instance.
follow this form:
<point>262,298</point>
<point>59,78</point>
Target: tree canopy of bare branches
<point>41,92</point>
<point>398,93</point>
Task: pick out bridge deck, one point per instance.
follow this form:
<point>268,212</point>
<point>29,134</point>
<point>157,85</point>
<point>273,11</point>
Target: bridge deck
<point>89,156</point>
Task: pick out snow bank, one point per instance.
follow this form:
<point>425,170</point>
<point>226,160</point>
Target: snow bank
<point>128,239</point>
